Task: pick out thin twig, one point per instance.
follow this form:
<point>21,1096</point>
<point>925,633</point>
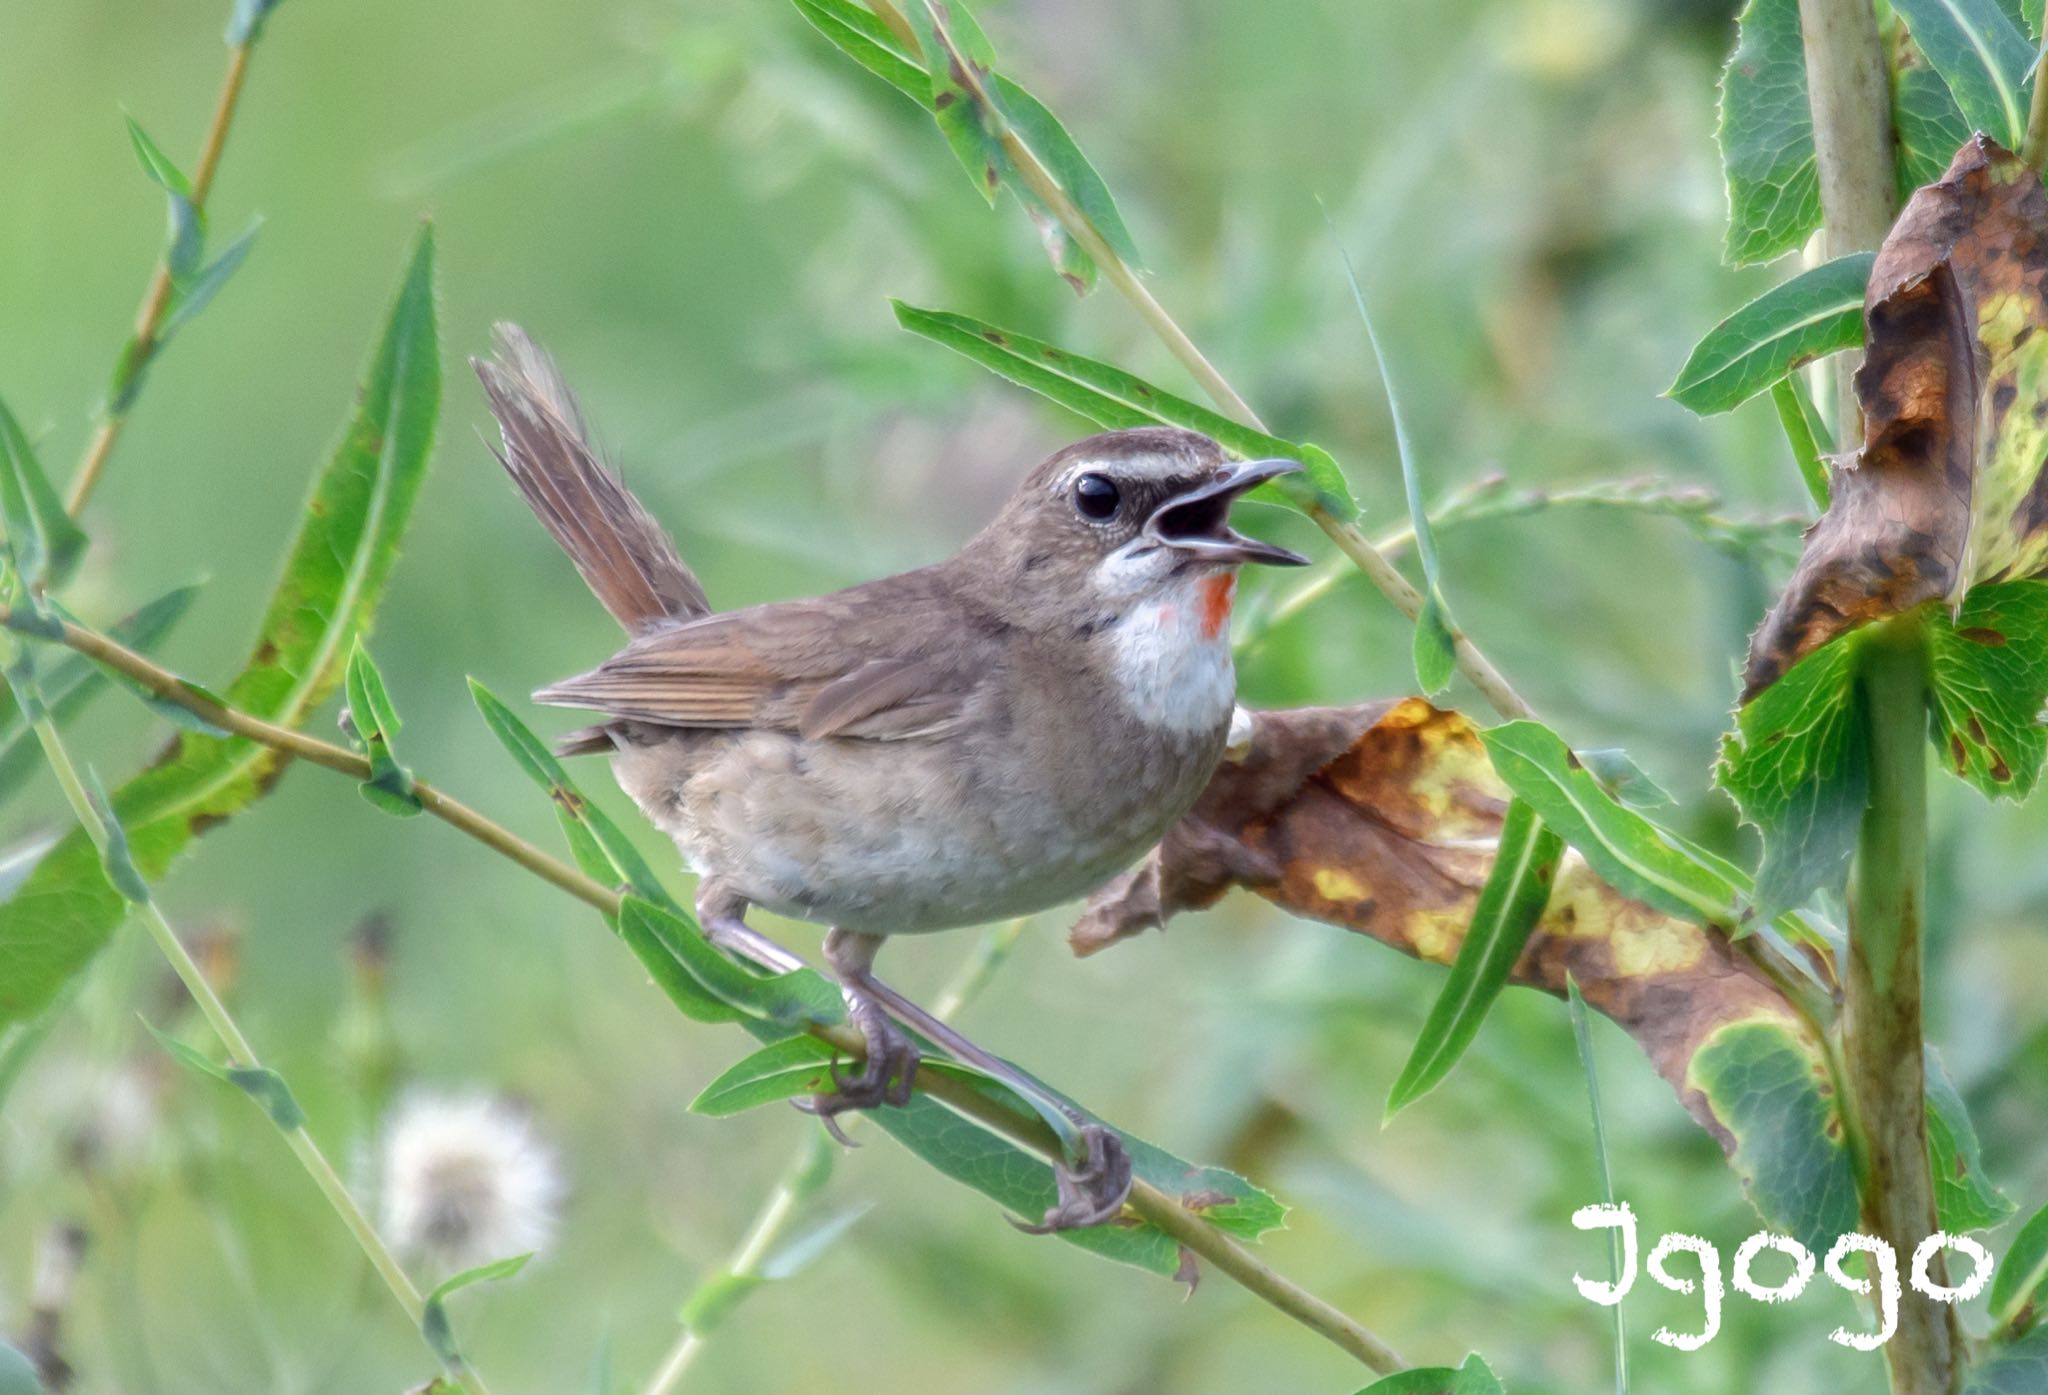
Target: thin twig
<point>959,1094</point>
<point>237,1044</point>
<point>157,298</point>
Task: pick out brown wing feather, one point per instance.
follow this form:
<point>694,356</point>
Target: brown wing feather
<point>893,660</point>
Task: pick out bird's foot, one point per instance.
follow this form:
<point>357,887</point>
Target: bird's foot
<point>885,1077</point>
<point>1091,1191</point>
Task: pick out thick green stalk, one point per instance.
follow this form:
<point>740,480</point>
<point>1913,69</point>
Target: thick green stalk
<point>1881,1024</point>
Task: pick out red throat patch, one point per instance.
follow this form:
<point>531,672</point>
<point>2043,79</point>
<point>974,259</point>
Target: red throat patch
<point>1217,592</point>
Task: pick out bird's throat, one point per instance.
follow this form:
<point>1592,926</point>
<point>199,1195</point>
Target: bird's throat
<point>1214,596</point>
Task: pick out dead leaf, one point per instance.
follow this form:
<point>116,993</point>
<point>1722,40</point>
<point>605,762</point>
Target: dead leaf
<point>1946,491</point>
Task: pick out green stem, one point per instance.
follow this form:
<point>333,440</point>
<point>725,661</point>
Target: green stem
<point>2034,149</point>
<point>1881,1025</point>
<point>232,1038</point>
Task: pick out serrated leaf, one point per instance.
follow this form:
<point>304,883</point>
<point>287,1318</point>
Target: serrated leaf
<point>1510,903</point>
<point>434,1324</point>
<point>335,575</point>
<point>1964,1198</point>
<point>1791,1150</point>
<point>259,1083</point>
<point>1798,764</point>
<point>1989,665</point>
<point>1806,434</point>
<point>69,683</point>
<point>781,1070</point>
<point>44,541</point>
<point>1815,313</point>
<point>1766,135</point>
<point>600,848</point>
<point>1981,55</point>
<point>158,166</point>
<point>1475,1377</point>
<point>2017,1283</point>
<point>855,31</point>
<point>787,1000</point>
<point>1114,399</point>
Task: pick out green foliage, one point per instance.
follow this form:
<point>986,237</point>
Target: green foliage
<point>1983,58</point>
<point>1964,1199</point>
<point>1927,124</point>
<point>259,1083</point>
<point>332,581</point>
<point>781,1070</point>
<point>1582,1037</point>
<point>1512,901</point>
<point>1791,1147</point>
<point>434,1325</point>
<point>1475,1377</point>
<point>246,21</point>
<point>2017,1283</point>
<point>1798,764</point>
<point>42,539</point>
<point>375,724</point>
<point>2018,1369</point>
<point>1990,678</point>
<point>1806,434</point>
<point>785,1000</point>
<point>1809,316</point>
<point>1766,134</point>
<point>1114,399</point>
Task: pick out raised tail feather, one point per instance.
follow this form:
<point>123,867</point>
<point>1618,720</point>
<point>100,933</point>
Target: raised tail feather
<point>624,555</point>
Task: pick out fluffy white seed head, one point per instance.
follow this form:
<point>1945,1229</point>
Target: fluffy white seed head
<point>465,1179</point>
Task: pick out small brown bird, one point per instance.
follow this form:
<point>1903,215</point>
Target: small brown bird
<point>982,738</point>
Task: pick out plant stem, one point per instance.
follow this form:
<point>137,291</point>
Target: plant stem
<point>157,298</point>
<point>2034,148</point>
<point>238,1047</point>
<point>961,1095</point>
<point>1881,1025</point>
<point>803,1175</point>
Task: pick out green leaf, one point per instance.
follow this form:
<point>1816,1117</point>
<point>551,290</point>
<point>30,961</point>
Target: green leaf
<point>1512,901</point>
<point>1621,777</point>
<point>1807,435</point>
<point>1436,635</point>
<point>781,1070</point>
<point>2017,1283</point>
<point>1582,1037</point>
<point>68,684</point>
<point>1791,1153</point>
<point>1626,850</point>
<point>787,1000</point>
<point>374,721</point>
<point>1964,1199</point>
<point>332,582</point>
<point>600,848</point>
<point>1766,135</point>
<point>1475,1377</point>
<point>158,166</point>
<point>259,1083</point>
<point>2018,1369</point>
<point>1798,764</point>
<point>434,1325</point>
<point>42,537</point>
<point>115,858</point>
<point>17,1373</point>
<point>1114,399</point>
<point>855,31</point>
<point>1927,124</point>
<point>1058,152</point>
<point>195,292</point>
<point>1982,56</point>
<point>245,24</point>
<point>1990,677</point>
<point>1815,313</point>
<point>948,50</point>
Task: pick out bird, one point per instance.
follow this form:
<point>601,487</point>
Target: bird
<point>978,739</point>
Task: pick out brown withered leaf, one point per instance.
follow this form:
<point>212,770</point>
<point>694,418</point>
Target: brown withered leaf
<point>1382,818</point>
<point>1947,488</point>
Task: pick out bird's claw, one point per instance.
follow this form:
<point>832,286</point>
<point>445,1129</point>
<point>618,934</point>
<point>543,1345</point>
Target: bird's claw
<point>885,1077</point>
<point>1091,1191</point>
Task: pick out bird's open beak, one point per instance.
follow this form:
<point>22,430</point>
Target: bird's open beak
<point>1198,521</point>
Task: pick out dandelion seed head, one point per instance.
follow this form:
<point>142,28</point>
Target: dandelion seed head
<point>465,1179</point>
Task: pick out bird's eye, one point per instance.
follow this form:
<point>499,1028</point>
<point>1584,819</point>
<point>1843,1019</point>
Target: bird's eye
<point>1096,496</point>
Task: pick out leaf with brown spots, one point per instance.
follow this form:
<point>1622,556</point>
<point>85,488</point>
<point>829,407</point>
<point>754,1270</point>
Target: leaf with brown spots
<point>1384,819</point>
<point>1946,491</point>
<point>336,572</point>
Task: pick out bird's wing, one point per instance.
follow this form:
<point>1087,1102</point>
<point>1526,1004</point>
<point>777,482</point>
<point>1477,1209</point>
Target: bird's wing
<point>883,662</point>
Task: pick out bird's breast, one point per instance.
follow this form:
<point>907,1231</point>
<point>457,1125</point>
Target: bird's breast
<point>1169,658</point>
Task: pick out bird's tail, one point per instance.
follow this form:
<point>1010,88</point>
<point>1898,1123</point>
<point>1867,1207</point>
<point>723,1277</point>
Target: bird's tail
<point>624,555</point>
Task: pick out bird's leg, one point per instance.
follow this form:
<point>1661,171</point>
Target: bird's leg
<point>723,914</point>
<point>891,1065</point>
<point>1092,1190</point>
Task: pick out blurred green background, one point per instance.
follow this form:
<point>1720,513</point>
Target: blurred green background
<point>701,208</point>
